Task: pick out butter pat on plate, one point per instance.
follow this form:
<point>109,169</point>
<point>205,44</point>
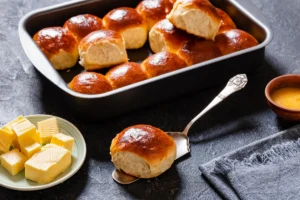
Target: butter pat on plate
<point>6,139</point>
<point>63,140</point>
<point>47,128</point>
<point>29,147</point>
<point>8,127</point>
<point>13,161</point>
<point>24,129</point>
<point>47,164</point>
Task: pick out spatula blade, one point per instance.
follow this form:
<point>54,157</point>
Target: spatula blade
<point>182,143</point>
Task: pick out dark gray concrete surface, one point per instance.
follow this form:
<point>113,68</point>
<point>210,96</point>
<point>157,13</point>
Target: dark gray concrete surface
<point>240,120</point>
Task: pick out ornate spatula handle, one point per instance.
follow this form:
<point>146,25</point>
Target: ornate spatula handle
<point>235,84</point>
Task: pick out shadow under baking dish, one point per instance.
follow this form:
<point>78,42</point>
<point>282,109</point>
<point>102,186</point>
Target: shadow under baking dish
<point>144,93</point>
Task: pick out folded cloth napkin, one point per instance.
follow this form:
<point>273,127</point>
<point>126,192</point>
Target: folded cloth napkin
<point>266,169</point>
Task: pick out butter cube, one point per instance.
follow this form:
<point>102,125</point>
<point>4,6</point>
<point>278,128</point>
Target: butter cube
<point>47,129</point>
<point>63,140</point>
<point>47,164</point>
<point>24,129</point>
<point>6,139</point>
<point>29,147</point>
<point>37,137</point>
<point>13,161</point>
<point>8,127</point>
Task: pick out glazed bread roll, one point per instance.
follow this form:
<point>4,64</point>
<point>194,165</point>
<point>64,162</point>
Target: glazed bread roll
<point>130,24</point>
<point>227,22</point>
<point>164,36</point>
<point>82,25</point>
<point>143,151</point>
<point>100,49</point>
<point>125,74</point>
<point>234,40</point>
<point>198,17</point>
<point>161,63</point>
<point>172,1</point>
<point>199,50</point>
<point>154,10</point>
<point>59,46</point>
<point>90,83</point>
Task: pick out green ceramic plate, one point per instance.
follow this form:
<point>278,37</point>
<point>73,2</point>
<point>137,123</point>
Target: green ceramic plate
<point>19,182</point>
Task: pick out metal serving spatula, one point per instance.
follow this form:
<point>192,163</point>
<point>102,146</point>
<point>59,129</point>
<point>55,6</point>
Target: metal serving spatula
<point>181,139</point>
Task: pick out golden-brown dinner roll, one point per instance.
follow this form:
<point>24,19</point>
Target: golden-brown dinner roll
<point>130,24</point>
<point>172,1</point>
<point>90,83</point>
<point>82,25</point>
<point>143,151</point>
<point>154,10</point>
<point>125,74</point>
<point>59,46</point>
<point>227,22</point>
<point>164,36</point>
<point>161,63</point>
<point>234,40</point>
<point>100,49</point>
<point>198,17</point>
<point>199,50</point>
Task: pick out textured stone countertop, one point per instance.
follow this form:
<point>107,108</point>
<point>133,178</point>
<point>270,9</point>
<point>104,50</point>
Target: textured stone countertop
<point>240,120</point>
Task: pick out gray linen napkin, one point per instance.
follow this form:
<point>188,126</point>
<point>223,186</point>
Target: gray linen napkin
<point>266,169</point>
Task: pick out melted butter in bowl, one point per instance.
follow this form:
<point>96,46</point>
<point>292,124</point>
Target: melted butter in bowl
<point>283,96</point>
<point>288,97</point>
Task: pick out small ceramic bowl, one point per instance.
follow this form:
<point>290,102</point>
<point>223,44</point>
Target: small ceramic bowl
<point>281,82</point>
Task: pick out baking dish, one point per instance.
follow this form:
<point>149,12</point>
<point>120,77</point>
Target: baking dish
<point>122,100</point>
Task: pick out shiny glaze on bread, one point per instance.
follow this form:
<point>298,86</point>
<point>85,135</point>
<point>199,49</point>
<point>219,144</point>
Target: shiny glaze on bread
<point>234,40</point>
<point>161,63</point>
<point>199,50</point>
<point>51,40</point>
<point>227,22</point>
<point>154,10</point>
<point>82,25</point>
<point>90,83</point>
<point>121,18</point>
<point>96,36</point>
<point>148,142</point>
<point>125,74</point>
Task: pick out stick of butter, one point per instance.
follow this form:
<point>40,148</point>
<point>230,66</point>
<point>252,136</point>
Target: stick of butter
<point>45,165</point>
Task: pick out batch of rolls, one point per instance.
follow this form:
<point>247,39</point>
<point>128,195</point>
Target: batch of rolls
<point>180,33</point>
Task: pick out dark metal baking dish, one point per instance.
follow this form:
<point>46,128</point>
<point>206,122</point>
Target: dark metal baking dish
<point>199,76</point>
